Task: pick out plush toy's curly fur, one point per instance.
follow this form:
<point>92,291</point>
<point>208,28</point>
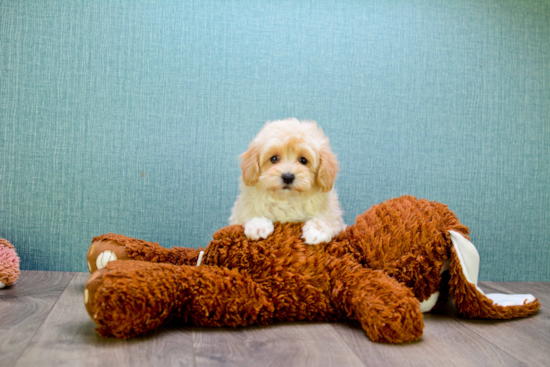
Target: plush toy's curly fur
<point>376,272</point>
<point>9,264</point>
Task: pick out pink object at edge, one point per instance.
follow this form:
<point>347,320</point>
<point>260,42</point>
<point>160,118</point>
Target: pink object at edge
<point>9,263</point>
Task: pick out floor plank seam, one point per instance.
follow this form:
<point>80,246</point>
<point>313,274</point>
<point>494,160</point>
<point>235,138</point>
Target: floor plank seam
<point>16,361</point>
<point>348,345</point>
<point>193,347</point>
<point>487,340</point>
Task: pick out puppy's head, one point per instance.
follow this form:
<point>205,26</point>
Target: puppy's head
<point>290,156</point>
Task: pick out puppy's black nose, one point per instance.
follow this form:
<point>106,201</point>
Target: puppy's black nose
<point>287,178</point>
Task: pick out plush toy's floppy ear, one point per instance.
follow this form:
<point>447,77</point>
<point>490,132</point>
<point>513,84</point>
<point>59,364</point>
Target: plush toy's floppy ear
<point>328,168</point>
<point>250,165</point>
<point>470,300</point>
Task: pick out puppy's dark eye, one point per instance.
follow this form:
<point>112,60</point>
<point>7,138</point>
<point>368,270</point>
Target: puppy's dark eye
<point>274,159</point>
<point>303,160</point>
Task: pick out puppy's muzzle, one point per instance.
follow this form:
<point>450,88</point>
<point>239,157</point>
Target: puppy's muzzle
<point>288,178</point>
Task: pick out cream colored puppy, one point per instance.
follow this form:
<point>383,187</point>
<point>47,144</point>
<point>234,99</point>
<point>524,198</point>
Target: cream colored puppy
<point>288,175</point>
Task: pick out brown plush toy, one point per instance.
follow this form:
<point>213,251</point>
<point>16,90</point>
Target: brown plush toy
<point>384,271</point>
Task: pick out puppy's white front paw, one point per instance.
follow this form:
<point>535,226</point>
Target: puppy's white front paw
<point>257,228</point>
<point>315,231</point>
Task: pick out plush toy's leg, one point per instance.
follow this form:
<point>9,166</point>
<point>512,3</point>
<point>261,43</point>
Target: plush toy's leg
<point>109,247</point>
<point>129,298</point>
<point>386,309</point>
<point>470,299</point>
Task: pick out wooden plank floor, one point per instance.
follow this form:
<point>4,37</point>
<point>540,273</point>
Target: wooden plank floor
<point>43,322</point>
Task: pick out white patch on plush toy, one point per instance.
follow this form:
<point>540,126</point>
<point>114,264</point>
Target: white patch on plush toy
<point>468,256</point>
<point>510,299</point>
<point>2,285</point>
<point>428,304</point>
<point>89,267</point>
<point>104,258</point>
<point>199,260</point>
<point>469,260</point>
<point>86,295</point>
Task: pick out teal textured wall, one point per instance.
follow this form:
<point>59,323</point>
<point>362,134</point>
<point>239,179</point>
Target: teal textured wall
<point>129,116</point>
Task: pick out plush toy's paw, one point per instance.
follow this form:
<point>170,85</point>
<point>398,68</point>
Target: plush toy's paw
<point>124,303</point>
<point>258,228</point>
<point>316,231</point>
<point>103,250</point>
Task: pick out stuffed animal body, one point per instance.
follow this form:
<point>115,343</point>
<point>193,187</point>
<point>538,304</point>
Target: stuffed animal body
<point>9,264</point>
<point>394,263</point>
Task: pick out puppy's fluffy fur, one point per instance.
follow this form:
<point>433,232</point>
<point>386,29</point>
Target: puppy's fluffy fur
<point>287,176</point>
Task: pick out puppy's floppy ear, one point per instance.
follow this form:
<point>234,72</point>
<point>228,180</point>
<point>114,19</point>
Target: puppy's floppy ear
<point>328,168</point>
<point>250,165</point>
